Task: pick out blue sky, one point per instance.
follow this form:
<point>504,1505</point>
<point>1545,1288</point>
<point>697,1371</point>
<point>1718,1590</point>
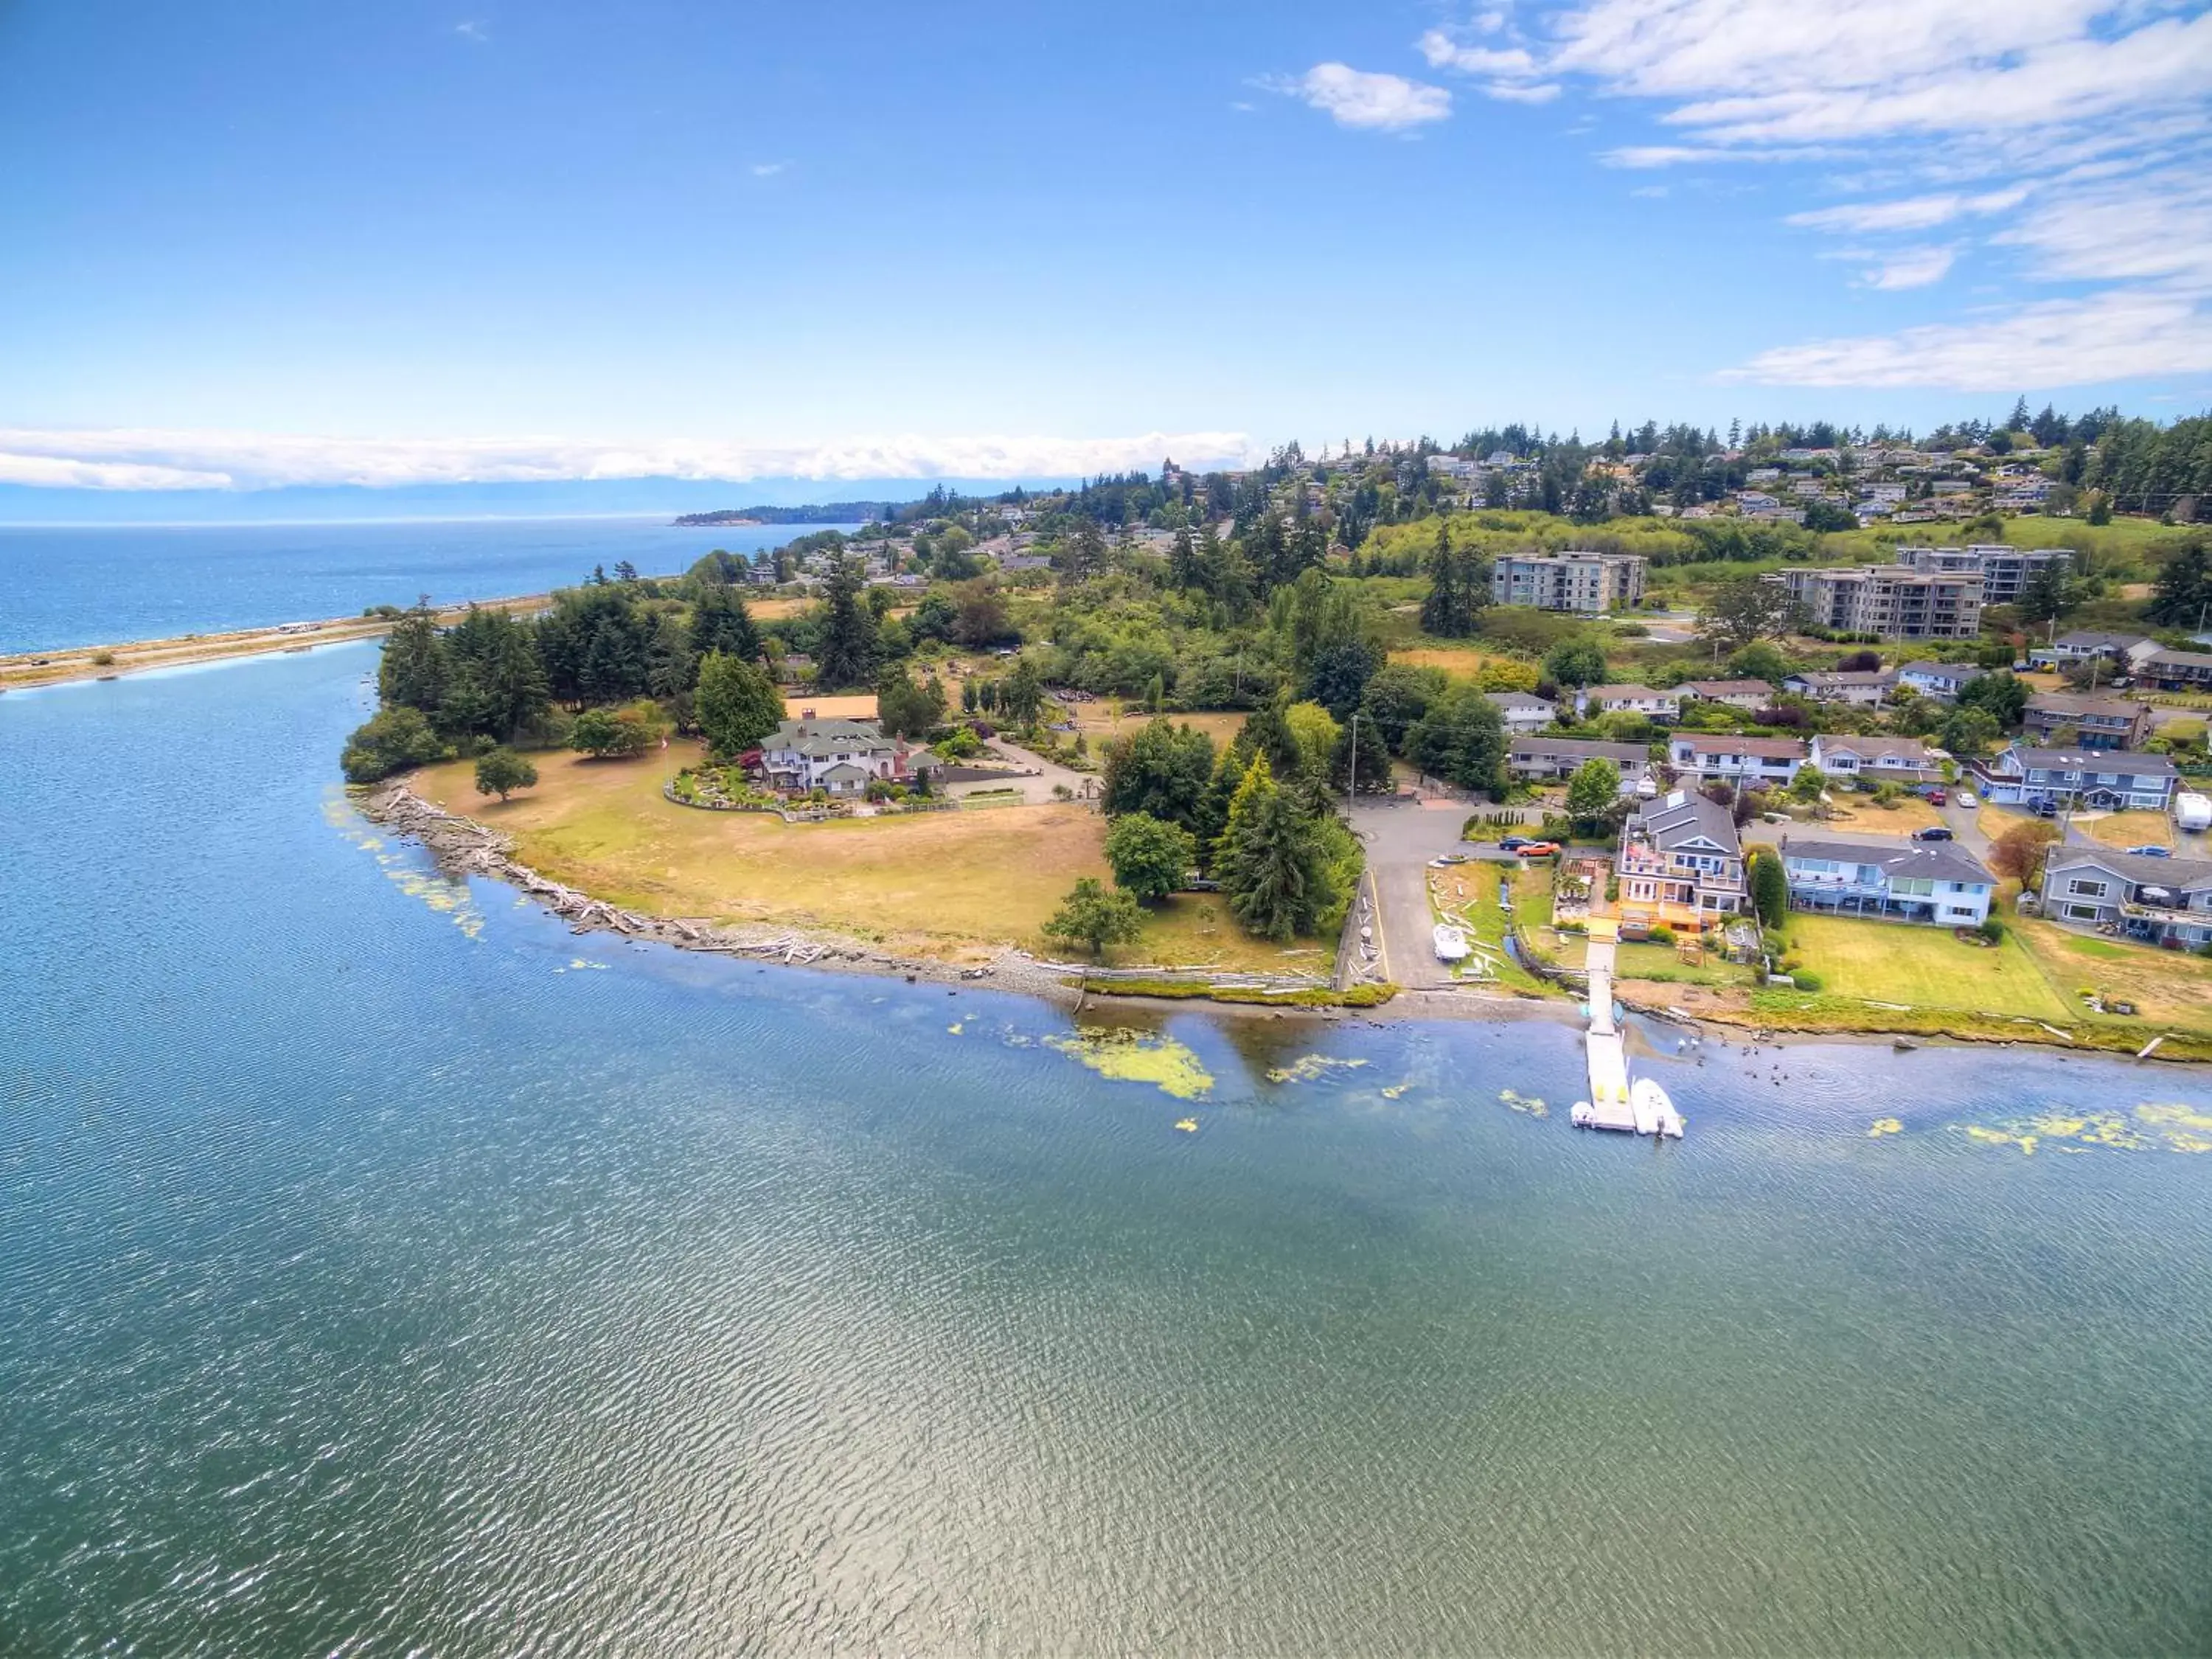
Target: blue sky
<point>278,244</point>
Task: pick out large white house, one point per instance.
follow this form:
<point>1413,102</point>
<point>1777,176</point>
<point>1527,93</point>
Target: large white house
<point>842,756</point>
<point>1875,760</point>
<point>1937,882</point>
<point>1706,754</point>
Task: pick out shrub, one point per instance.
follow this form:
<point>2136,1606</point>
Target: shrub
<point>395,739</point>
<point>1805,979</point>
<point>1993,930</point>
<point>1662,935</point>
<point>103,659</point>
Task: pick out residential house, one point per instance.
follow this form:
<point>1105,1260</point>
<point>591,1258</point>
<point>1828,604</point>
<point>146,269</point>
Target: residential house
<point>1633,700</point>
<point>2117,779</point>
<point>840,755</point>
<point>1680,863</point>
<point>2177,671</point>
<point>1887,601</point>
<point>1943,680</point>
<point>1875,760</point>
<point>1591,583</point>
<point>1862,687</point>
<point>1521,712</point>
<point>2163,901</point>
<point>2123,651</point>
<point>2094,722</point>
<point>1540,760</point>
<point>1935,882</point>
<point>1704,755</point>
<point>1736,694</point>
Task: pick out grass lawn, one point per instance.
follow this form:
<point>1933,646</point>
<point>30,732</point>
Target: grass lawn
<point>2128,829</point>
<point>1452,658</point>
<point>1109,717</point>
<point>1466,894</point>
<point>942,885</point>
<point>1996,820</point>
<point>2171,987</point>
<point>1857,815</point>
<point>1924,966</point>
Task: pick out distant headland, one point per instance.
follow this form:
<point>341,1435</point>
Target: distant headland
<point>822,512</point>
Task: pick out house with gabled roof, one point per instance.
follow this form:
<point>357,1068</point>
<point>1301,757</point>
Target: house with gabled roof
<point>2118,780</point>
<point>842,756</point>
<point>1875,760</point>
<point>1680,863</point>
<point>1538,760</point>
<point>2095,722</point>
<point>1706,754</point>
<point>2154,901</point>
<point>1736,694</point>
<point>1937,882</point>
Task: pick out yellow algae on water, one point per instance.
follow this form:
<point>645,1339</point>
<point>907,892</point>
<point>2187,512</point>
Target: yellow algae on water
<point>2180,1129</point>
<point>1529,1105</point>
<point>954,1029</point>
<point>2070,1131</point>
<point>1885,1126</point>
<point>1134,1057</point>
<point>2027,1142</point>
<point>1396,1090</point>
<point>1310,1068</point>
<point>1188,1125</point>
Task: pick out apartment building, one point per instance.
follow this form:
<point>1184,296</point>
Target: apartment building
<point>2005,571</point>
<point>1591,583</point>
<point>1888,601</point>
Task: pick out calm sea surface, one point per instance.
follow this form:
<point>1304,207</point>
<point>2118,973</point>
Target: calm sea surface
<point>89,585</point>
<point>384,1270</point>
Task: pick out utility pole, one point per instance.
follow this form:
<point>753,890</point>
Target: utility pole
<point>1351,784</point>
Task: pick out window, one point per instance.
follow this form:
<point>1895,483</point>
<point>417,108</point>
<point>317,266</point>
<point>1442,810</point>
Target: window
<point>1959,912</point>
<point>2086,889</point>
<point>2081,912</point>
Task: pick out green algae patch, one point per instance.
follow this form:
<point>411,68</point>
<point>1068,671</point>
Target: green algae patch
<point>2180,1128</point>
<point>2152,1127</point>
<point>1885,1126</point>
<point>1311,1068</point>
<point>1527,1105</point>
<point>1139,1057</point>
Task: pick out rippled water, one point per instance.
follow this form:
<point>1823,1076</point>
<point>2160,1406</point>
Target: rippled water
<point>383,1268</point>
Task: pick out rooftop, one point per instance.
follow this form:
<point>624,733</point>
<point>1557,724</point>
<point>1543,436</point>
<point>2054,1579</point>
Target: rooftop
<point>1938,860</point>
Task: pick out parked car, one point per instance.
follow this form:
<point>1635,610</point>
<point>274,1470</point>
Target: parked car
<point>2044,809</point>
<point>1536,849</point>
<point>1513,843</point>
<point>1937,797</point>
<point>2152,852</point>
<point>1967,799</point>
<point>1939,833</point>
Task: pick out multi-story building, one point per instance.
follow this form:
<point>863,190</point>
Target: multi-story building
<point>1887,600</point>
<point>1593,583</point>
<point>1915,881</point>
<point>1869,760</point>
<point>1680,863</point>
<point>2163,901</point>
<point>2177,671</point>
<point>2117,779</point>
<point>2095,722</point>
<point>1736,694</point>
<point>1521,712</point>
<point>2005,571</point>
<point>1540,760</point>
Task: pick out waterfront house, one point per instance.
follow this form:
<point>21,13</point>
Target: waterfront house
<point>1634,700</point>
<point>1521,712</point>
<point>1875,760</point>
<point>1704,755</point>
<point>1938,679</point>
<point>1753,695</point>
<point>2095,722</point>
<point>2177,671</point>
<point>1937,882</point>
<point>2162,901</point>
<point>1680,863</point>
<point>840,755</point>
<point>1861,688</point>
<point>1543,760</point>
<point>2113,778</point>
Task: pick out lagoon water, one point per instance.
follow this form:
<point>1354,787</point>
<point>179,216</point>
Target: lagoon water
<point>383,1269</point>
<point>96,584</point>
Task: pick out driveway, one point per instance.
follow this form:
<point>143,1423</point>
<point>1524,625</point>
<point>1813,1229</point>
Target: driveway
<point>1401,838</point>
<point>1034,789</point>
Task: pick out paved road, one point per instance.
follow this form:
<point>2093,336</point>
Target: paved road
<point>1400,840</point>
<point>1034,789</point>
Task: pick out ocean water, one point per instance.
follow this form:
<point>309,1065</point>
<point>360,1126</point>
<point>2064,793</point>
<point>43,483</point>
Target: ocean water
<point>385,1269</point>
<point>89,585</point>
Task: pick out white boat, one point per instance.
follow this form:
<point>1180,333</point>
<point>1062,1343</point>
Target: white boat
<point>1655,1111</point>
<point>1451,944</point>
<point>1582,1114</point>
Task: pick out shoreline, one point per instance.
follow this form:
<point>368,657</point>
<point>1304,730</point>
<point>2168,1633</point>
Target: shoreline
<point>63,665</point>
<point>462,846</point>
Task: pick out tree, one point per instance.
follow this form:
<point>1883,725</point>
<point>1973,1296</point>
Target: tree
<point>501,772</point>
<point>2184,589</point>
<point>1969,731</point>
<point>617,733</point>
<point>1458,588</point>
<point>737,704</point>
<point>1398,695</point>
<point>1769,887</point>
<point>1461,739</point>
<point>2019,854</point>
<point>1374,769</point>
<point>1744,611</point>
<point>413,671</point>
<point>1593,790</point>
<point>845,652</point>
<point>1759,661</point>
<point>1809,783</point>
<point>1315,734</point>
<point>1576,662</point>
<point>393,740</point>
<point>1022,697</point>
<point>907,709</point>
<point>2047,596</point>
<point>1268,858</point>
<point>1161,771</point>
<point>1820,516</point>
<point>1091,916</point>
<point>719,622</point>
<point>2003,693</point>
<point>1150,858</point>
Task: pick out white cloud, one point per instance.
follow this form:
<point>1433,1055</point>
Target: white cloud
<point>474,29</point>
<point>1915,213</point>
<point>1912,267</point>
<point>768,169</point>
<point>2115,335</point>
<point>1355,98</point>
<point>157,459</point>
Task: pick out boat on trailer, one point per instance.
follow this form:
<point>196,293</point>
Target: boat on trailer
<point>1451,944</point>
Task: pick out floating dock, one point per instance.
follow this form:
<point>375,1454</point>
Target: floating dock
<point>1614,1103</point>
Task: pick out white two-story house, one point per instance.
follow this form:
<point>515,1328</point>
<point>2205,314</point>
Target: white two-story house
<point>1704,755</point>
<point>842,756</point>
<point>1875,760</point>
<point>1937,882</point>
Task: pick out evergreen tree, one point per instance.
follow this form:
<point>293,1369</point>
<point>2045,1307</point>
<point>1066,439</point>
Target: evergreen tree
<point>719,622</point>
<point>845,652</point>
<point>413,672</point>
<point>737,704</point>
<point>1769,887</point>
